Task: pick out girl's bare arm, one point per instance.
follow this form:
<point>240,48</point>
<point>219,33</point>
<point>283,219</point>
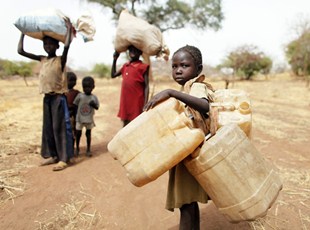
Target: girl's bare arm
<point>199,104</point>
<point>147,87</point>
<point>21,51</point>
<point>115,73</point>
<point>67,44</point>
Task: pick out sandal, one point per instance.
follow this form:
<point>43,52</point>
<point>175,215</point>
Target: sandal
<point>48,161</point>
<point>60,166</point>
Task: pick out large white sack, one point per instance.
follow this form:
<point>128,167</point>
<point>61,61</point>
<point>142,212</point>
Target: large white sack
<point>139,33</point>
<point>51,22</point>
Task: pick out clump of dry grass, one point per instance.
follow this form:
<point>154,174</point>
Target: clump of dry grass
<point>78,213</point>
<point>267,223</point>
<point>11,165</point>
<point>11,185</point>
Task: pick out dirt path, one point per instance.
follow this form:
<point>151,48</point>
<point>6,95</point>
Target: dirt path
<point>94,193</point>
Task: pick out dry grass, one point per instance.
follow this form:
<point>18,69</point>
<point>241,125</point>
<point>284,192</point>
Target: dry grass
<point>12,165</point>
<point>77,213</point>
<point>294,196</point>
<point>11,185</point>
<point>17,146</point>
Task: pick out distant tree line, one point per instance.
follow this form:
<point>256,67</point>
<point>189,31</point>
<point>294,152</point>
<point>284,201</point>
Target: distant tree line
<point>21,68</point>
<point>9,68</point>
<point>26,69</point>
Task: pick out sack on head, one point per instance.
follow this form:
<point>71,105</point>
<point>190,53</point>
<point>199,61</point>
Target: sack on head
<point>139,33</point>
<point>51,22</point>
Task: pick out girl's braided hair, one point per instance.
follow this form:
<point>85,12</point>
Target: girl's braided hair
<point>194,52</point>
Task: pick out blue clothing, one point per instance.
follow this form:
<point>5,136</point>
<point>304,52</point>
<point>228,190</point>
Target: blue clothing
<point>57,138</point>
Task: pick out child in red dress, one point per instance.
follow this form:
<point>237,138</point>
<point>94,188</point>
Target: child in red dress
<point>135,85</point>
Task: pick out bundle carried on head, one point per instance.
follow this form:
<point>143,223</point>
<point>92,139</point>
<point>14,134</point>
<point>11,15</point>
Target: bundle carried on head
<point>139,33</point>
<point>51,22</point>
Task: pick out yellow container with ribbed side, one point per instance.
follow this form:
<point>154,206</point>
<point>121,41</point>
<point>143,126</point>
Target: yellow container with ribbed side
<point>234,106</point>
<point>155,141</point>
<point>240,182</point>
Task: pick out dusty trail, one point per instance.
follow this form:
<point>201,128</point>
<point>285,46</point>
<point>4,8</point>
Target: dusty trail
<point>94,193</point>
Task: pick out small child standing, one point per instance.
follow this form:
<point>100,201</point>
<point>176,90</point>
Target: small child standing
<point>86,103</point>
<point>135,85</point>
<point>71,95</point>
<point>56,133</point>
<point>184,192</point>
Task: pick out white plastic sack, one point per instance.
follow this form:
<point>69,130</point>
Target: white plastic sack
<point>51,22</point>
<point>139,33</point>
<point>85,26</point>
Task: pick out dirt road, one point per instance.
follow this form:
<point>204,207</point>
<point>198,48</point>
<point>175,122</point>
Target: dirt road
<point>94,193</point>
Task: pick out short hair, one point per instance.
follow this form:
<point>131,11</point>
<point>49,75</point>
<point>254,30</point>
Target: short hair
<point>71,75</point>
<point>194,52</point>
<point>133,48</point>
<point>55,41</point>
<point>88,80</point>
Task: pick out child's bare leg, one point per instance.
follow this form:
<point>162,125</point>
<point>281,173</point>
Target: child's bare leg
<point>190,219</point>
<point>88,139</point>
<point>78,138</point>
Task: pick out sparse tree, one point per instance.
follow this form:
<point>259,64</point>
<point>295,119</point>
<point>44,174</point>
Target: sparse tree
<point>101,70</point>
<point>171,14</point>
<point>298,51</point>
<point>247,60</point>
<point>23,69</point>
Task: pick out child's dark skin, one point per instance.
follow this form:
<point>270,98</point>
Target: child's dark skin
<point>71,83</point>
<point>87,88</point>
<point>183,70</point>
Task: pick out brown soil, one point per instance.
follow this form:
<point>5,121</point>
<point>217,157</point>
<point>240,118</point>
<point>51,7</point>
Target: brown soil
<point>94,193</point>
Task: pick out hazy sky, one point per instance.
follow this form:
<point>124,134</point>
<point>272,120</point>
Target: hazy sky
<point>265,23</point>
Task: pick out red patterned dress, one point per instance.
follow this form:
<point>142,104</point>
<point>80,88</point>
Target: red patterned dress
<point>132,91</point>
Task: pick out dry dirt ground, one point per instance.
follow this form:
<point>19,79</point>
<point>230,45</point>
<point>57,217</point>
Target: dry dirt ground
<point>94,193</point>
